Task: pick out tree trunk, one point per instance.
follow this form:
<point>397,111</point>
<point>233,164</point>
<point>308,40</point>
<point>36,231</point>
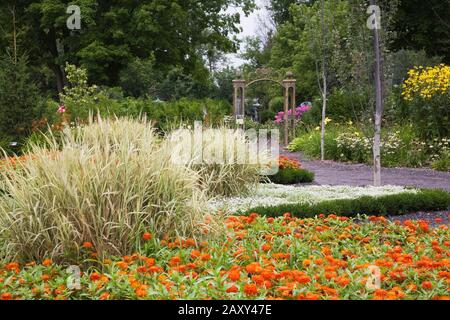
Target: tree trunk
<point>14,33</point>
<point>378,108</point>
<point>324,114</point>
<point>60,78</point>
<point>324,85</point>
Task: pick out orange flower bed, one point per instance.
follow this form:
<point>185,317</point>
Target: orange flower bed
<point>259,258</point>
<point>288,163</point>
<point>12,161</point>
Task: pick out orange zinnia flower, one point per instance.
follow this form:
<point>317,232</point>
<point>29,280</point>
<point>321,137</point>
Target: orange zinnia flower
<point>47,262</point>
<point>195,254</point>
<point>427,285</point>
<point>250,289</point>
<point>205,257</point>
<point>6,296</point>
<point>45,277</point>
<point>94,276</point>
<point>232,289</point>
<point>104,296</point>
<point>174,261</point>
<point>234,275</point>
<point>306,263</point>
<point>122,265</point>
<point>146,236</point>
<point>141,291</point>
<point>87,245</point>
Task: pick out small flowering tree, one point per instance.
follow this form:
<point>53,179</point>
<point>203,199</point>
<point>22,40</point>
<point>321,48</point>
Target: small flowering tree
<point>298,112</point>
<point>78,98</point>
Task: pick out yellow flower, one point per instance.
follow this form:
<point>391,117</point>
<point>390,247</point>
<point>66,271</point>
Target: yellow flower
<point>427,82</point>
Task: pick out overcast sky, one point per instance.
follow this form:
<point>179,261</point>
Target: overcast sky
<point>249,27</point>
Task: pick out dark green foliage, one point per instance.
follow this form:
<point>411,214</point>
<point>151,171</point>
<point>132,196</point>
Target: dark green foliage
<point>292,176</point>
<point>165,115</point>
<point>398,204</point>
<point>423,25</point>
<point>19,102</point>
<point>139,78</point>
<point>115,33</point>
<point>279,9</point>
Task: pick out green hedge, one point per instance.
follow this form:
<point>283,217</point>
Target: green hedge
<point>397,204</point>
<point>292,176</point>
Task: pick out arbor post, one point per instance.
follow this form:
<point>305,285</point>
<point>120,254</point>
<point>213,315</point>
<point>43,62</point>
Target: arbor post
<point>289,102</point>
<point>239,99</point>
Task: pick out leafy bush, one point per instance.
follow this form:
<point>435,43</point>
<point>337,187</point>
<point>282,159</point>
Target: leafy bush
<point>81,100</point>
<point>105,183</point>
<point>443,162</point>
<point>19,99</point>
<point>292,176</point>
<point>428,92</point>
<point>309,143</point>
<point>400,146</point>
<point>396,204</point>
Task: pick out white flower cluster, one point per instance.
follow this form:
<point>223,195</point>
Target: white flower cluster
<point>354,143</point>
<point>351,143</point>
<point>274,194</point>
<point>438,147</point>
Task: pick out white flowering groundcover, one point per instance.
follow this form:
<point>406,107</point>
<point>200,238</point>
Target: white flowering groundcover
<point>275,194</point>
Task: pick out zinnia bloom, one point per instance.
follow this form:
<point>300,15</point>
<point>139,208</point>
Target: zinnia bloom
<point>250,289</point>
<point>232,289</point>
<point>146,236</point>
<point>87,245</point>
<point>234,275</point>
<point>47,262</point>
<point>94,276</point>
<point>427,285</point>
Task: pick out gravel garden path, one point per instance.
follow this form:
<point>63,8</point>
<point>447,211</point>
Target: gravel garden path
<point>337,173</point>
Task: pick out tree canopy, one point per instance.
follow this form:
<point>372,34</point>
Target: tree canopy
<point>114,33</point>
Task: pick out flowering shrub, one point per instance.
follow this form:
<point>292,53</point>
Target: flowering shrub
<point>288,163</point>
<point>260,258</point>
<point>400,146</point>
<point>296,113</point>
<point>427,82</point>
<point>427,91</point>
<point>353,147</point>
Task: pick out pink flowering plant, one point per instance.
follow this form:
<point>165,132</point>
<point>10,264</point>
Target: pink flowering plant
<point>297,113</point>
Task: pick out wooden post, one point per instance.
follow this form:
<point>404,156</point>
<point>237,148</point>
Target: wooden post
<point>239,98</point>
<point>288,83</point>
<point>378,104</point>
<point>286,116</point>
<point>293,109</point>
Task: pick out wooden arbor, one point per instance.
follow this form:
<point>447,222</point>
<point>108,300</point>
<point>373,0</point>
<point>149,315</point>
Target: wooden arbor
<point>289,85</point>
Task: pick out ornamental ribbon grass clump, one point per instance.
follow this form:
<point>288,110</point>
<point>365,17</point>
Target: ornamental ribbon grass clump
<point>105,183</point>
<point>227,161</point>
